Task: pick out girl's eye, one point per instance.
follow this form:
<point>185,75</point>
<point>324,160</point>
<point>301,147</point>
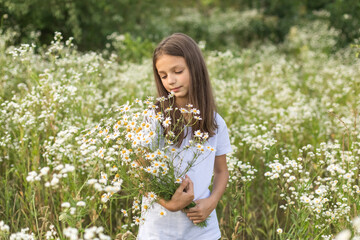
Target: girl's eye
<point>163,77</point>
<point>178,72</point>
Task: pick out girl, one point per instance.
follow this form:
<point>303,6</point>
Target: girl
<point>179,67</point>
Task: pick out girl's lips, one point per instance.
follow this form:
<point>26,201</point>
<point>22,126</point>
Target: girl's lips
<point>175,89</point>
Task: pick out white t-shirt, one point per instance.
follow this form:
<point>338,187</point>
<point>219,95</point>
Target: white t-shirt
<point>176,225</point>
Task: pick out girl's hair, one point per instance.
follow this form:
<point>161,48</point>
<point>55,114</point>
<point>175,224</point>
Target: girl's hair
<point>200,92</point>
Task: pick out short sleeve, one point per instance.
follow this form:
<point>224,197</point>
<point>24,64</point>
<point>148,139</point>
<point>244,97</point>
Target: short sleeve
<point>223,145</point>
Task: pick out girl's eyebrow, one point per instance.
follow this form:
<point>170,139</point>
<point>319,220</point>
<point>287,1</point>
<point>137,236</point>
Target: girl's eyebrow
<point>179,65</point>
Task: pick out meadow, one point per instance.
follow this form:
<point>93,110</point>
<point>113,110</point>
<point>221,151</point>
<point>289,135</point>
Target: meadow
<point>291,109</point>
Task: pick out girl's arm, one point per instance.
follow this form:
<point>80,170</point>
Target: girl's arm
<point>182,197</point>
<point>205,206</point>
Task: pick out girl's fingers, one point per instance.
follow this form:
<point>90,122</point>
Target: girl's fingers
<point>195,218</point>
<point>191,210</point>
<point>190,186</point>
<point>183,185</point>
<point>193,215</point>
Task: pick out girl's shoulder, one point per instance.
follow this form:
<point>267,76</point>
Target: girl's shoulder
<point>219,120</point>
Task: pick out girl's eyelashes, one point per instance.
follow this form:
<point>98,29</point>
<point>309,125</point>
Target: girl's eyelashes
<point>176,72</point>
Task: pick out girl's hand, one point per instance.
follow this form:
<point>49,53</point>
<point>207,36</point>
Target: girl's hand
<point>182,197</point>
<point>201,211</point>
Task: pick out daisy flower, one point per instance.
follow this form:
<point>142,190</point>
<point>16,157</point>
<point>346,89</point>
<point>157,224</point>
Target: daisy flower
<point>162,213</point>
<point>124,212</point>
<point>198,133</point>
<point>134,164</point>
<point>105,197</point>
<point>194,111</point>
<point>210,148</point>
<point>152,195</point>
<point>137,220</point>
<point>166,122</point>
<point>126,108</point>
<point>183,110</point>
<point>178,180</point>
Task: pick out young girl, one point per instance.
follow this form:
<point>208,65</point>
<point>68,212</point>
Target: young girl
<point>179,67</point>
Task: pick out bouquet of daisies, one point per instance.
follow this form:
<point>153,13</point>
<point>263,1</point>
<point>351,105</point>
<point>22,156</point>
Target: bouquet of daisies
<point>137,149</point>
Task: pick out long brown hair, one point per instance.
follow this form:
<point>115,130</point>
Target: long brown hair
<point>200,91</point>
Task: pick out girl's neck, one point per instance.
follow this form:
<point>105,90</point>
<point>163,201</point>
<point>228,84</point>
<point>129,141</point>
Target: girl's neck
<point>181,103</point>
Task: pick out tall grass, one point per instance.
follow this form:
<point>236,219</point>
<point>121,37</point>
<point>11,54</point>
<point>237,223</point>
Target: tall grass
<point>291,110</point>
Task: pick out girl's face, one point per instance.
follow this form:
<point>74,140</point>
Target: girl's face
<point>175,76</point>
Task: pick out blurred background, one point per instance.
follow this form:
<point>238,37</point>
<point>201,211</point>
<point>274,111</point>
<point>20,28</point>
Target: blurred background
<point>287,83</point>
<point>223,24</point>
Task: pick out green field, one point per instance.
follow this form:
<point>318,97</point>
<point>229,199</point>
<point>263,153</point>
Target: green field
<point>292,112</point>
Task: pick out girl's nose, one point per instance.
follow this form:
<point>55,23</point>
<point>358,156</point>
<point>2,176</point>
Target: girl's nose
<point>172,79</point>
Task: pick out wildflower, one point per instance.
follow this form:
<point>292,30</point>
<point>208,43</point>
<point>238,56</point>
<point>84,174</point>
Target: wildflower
<point>168,109</point>
<point>161,99</point>
<point>71,233</point>
<point>126,108</point>
<point>114,169</point>
<point>178,180</point>
<point>44,170</point>
<point>152,195</point>
<point>72,210</point>
<point>103,178</point>
<point>154,171</point>
<point>31,177</point>
<point>166,122</point>
<point>162,213</point>
<point>205,136</point>
<point>198,133</point>
<point>137,220</point>
<point>183,110</point>
<point>134,164</point>
<point>356,224</point>
<point>195,111</point>
<point>54,181</point>
<point>124,212</point>
<point>4,227</point>
<point>81,204</point>
<point>279,230</point>
<point>145,112</point>
<point>65,205</point>
<point>105,197</point>
<point>343,235</point>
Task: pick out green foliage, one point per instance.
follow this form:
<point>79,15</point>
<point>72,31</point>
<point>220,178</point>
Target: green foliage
<point>222,24</point>
<point>345,16</point>
<point>277,100</point>
<point>89,22</point>
<point>129,48</point>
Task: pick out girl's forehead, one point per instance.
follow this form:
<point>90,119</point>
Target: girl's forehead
<point>165,62</point>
